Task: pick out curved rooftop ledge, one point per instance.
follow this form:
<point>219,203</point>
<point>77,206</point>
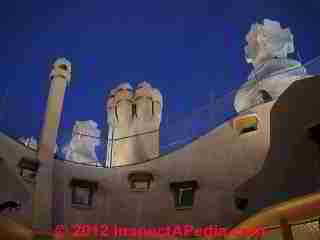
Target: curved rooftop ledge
<point>210,122</point>
<point>186,138</point>
<point>295,210</point>
<point>185,145</point>
<point>203,140</point>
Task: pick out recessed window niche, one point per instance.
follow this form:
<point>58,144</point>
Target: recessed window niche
<point>28,169</point>
<point>314,133</point>
<point>82,192</point>
<point>184,193</point>
<point>241,203</point>
<point>245,124</point>
<point>140,181</point>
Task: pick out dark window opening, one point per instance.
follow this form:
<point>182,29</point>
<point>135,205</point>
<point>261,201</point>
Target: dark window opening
<point>134,110</point>
<point>248,129</point>
<point>82,192</point>
<point>185,197</point>
<point>81,196</point>
<point>241,203</point>
<point>28,169</point>
<point>314,133</point>
<point>266,97</point>
<point>246,124</point>
<point>184,193</point>
<point>140,181</point>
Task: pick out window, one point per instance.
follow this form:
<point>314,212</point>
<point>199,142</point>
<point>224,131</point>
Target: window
<point>314,133</point>
<point>140,181</point>
<point>28,169</point>
<point>82,192</point>
<point>245,124</point>
<point>184,193</point>
<point>241,203</point>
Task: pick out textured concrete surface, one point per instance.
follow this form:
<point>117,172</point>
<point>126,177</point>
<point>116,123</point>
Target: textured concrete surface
<point>276,162</point>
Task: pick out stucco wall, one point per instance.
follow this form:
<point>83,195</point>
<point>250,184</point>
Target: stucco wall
<point>292,165</point>
<point>219,161</point>
<point>225,165</point>
<point>12,187</point>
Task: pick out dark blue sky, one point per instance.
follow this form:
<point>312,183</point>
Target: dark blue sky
<point>187,49</point>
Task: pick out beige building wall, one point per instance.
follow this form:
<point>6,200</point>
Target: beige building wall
<point>277,158</point>
<point>291,167</point>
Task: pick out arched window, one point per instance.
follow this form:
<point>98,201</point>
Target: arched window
<point>266,97</point>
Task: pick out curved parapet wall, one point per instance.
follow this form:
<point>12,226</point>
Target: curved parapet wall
<point>133,113</point>
<point>298,210</point>
<point>32,143</point>
<point>221,162</point>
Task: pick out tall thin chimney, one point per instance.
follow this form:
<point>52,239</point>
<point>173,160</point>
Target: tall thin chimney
<point>60,77</point>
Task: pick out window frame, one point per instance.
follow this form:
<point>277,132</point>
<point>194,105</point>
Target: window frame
<point>178,188</point>
<point>240,130</point>
<point>30,165</point>
<point>140,176</point>
<point>90,186</point>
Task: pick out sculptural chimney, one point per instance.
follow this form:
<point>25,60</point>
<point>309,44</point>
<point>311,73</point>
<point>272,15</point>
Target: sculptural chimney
<point>133,118</point>
<point>60,77</point>
<point>269,45</point>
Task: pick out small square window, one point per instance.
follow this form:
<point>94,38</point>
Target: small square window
<point>184,193</point>
<point>314,133</point>
<point>140,185</point>
<point>28,169</point>
<point>81,196</point>
<point>27,174</point>
<point>140,181</point>
<point>186,197</point>
<point>246,124</point>
<point>82,192</point>
<point>241,203</point>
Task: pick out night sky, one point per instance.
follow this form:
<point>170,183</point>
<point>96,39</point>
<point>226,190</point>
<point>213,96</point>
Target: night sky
<point>188,49</point>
